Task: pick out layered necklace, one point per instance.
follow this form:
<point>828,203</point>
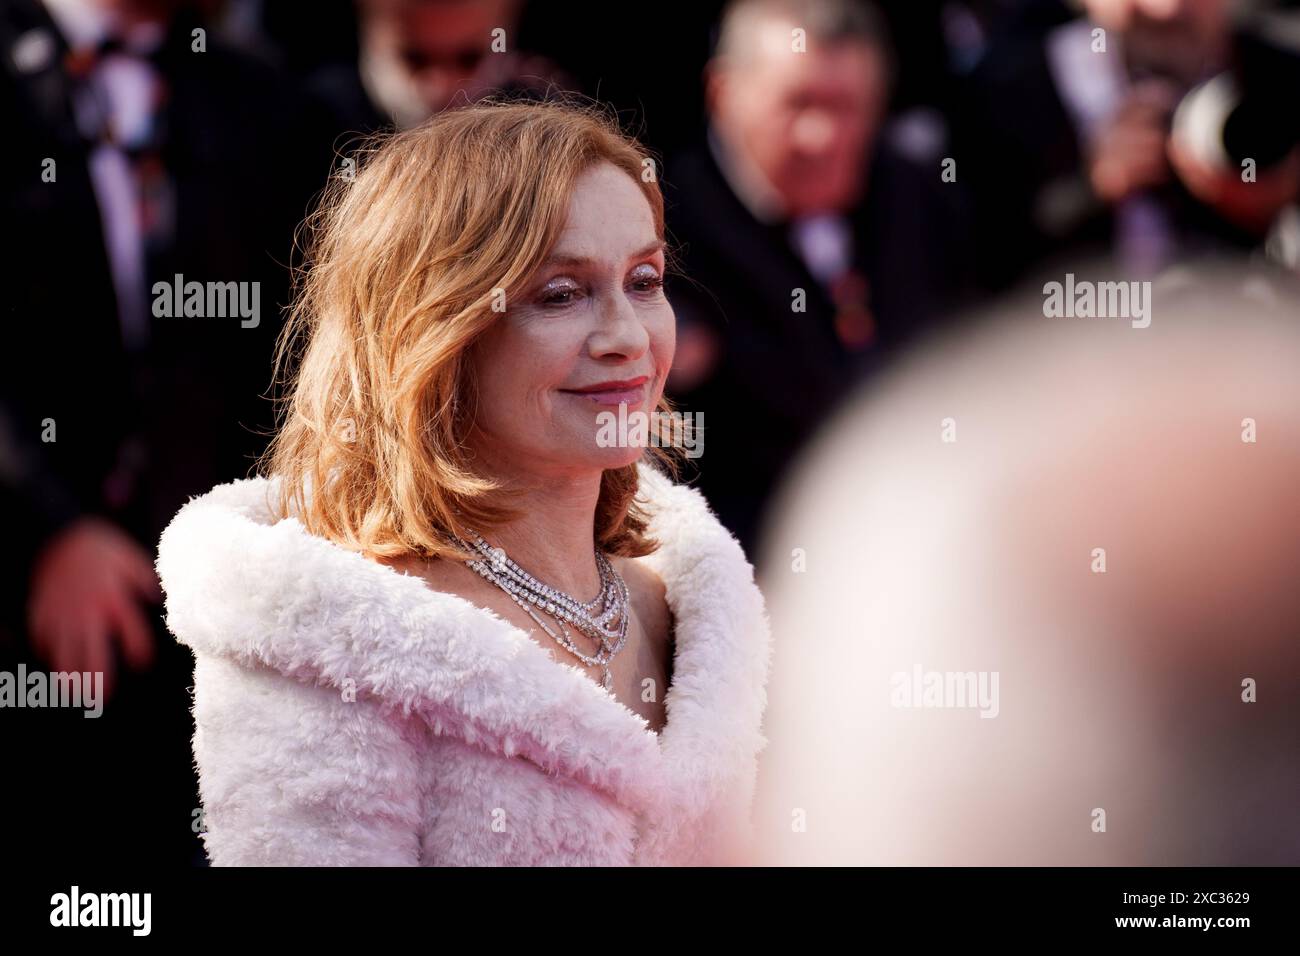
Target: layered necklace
<point>604,618</point>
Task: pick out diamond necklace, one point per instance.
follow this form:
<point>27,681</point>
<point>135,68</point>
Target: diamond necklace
<point>604,618</point>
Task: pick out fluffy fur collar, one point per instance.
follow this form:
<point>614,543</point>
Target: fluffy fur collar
<point>268,594</point>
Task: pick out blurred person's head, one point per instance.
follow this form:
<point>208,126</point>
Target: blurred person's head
<point>469,300</point>
<point>1033,597</point>
<point>418,55</point>
<point>1182,39</point>
<point>126,12</point>
<point>796,90</point>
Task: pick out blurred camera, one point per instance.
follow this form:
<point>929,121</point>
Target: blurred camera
<point>1248,112</point>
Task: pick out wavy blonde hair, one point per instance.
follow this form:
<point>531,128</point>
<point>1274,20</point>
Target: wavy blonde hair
<point>402,262</point>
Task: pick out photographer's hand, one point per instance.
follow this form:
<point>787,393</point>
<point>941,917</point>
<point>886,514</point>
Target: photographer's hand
<point>1129,154</point>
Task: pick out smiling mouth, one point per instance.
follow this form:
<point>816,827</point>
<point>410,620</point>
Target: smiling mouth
<point>630,391</point>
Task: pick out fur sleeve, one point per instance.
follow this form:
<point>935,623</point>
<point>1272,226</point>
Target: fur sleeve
<point>292,774</point>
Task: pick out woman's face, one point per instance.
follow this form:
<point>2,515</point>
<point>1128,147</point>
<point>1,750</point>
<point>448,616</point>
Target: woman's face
<point>593,330</point>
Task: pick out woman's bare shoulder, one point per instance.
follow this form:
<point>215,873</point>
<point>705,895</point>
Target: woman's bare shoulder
<point>451,577</point>
<point>649,596</point>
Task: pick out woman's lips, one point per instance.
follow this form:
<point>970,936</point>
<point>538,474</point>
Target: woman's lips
<point>630,392</point>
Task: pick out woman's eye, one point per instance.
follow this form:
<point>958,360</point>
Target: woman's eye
<point>559,292</point>
<point>646,279</point>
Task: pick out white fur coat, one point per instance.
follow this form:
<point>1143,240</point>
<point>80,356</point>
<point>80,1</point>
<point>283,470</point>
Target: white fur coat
<point>348,714</point>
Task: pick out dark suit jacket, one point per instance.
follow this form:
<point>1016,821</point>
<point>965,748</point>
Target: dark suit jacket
<point>245,153</point>
<point>782,372</point>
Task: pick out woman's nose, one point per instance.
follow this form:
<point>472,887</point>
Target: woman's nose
<point>620,330</point>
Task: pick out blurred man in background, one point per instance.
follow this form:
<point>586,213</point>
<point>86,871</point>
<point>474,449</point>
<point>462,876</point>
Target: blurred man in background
<point>1102,151</point>
<point>139,149</point>
<point>811,247</point>
<point>418,57</point>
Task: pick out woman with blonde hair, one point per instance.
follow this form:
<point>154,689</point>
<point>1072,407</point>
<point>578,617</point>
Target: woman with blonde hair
<point>449,623</point>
